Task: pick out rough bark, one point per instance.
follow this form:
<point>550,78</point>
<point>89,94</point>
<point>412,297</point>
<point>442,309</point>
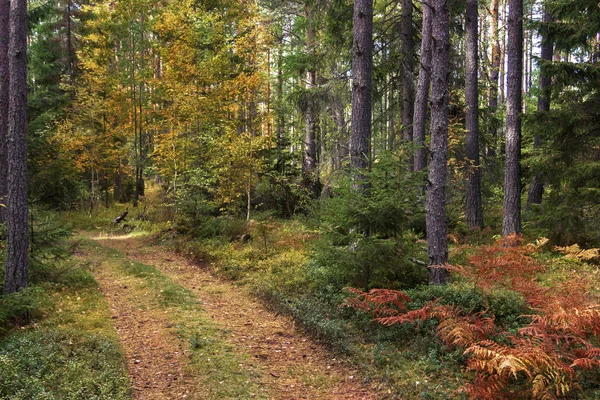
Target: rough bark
<point>4,12</point>
<point>536,189</point>
<point>309,165</point>
<point>494,74</point>
<point>473,209</point>
<point>362,70</point>
<point>437,241</point>
<point>512,175</point>
<point>422,98</point>
<point>407,46</point>
<point>17,233</point>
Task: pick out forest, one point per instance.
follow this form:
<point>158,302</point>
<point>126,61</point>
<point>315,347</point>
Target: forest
<point>300,199</point>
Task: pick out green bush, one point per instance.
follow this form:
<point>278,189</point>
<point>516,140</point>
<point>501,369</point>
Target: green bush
<point>507,306</point>
<point>22,307</point>
<point>366,237</point>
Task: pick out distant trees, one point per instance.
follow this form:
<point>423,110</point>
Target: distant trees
<point>235,107</point>
<point>17,237</point>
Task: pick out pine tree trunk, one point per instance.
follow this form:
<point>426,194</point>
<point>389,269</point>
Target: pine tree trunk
<point>494,74</point>
<point>309,166</point>
<point>4,13</point>
<point>362,71</point>
<point>473,210</point>
<point>437,241</point>
<point>512,175</point>
<point>17,234</point>
<point>536,189</point>
<point>422,98</point>
<point>407,75</point>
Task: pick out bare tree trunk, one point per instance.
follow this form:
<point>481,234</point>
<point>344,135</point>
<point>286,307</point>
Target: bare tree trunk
<point>437,241</point>
<point>512,175</point>
<point>17,234</point>
<point>4,13</point>
<point>362,70</point>
<point>494,74</point>
<point>420,114</point>
<point>407,75</point>
<point>473,210</point>
<point>536,189</point>
<point>503,58</point>
<point>309,166</point>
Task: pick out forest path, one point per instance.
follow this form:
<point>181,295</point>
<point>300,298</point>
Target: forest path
<point>276,361</point>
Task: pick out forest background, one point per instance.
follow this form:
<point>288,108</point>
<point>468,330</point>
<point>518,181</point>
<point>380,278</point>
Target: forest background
<point>218,119</point>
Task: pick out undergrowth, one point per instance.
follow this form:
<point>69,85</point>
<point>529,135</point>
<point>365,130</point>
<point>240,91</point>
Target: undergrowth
<point>56,339</point>
<point>543,354</point>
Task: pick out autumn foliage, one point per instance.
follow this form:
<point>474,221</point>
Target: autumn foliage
<point>542,359</point>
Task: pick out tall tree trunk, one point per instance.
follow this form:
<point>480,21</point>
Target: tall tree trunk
<point>473,210</point>
<point>512,175</point>
<point>420,114</point>
<point>4,13</point>
<point>279,108</point>
<point>437,242</point>
<point>494,74</point>
<point>17,234</point>
<point>362,72</point>
<point>502,75</point>
<point>536,189</point>
<point>309,166</point>
<point>407,75</point>
<point>69,33</point>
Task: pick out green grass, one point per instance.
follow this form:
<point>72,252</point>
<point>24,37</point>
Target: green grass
<point>274,265</point>
<point>67,347</point>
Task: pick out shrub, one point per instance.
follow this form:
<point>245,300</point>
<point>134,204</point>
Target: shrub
<point>366,237</point>
<point>22,307</point>
<point>542,359</point>
<point>55,364</point>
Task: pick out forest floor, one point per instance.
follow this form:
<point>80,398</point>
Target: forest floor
<point>189,334</point>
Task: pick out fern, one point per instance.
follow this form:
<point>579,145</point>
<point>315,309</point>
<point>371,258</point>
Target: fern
<point>540,361</point>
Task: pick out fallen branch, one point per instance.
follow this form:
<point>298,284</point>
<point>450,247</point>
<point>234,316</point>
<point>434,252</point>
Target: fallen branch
<point>121,217</point>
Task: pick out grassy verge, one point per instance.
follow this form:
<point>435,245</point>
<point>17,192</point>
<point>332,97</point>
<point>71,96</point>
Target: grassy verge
<point>58,342</point>
<point>275,265</point>
<point>410,360</point>
<point>213,360</point>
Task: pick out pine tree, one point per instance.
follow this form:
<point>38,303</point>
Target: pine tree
<point>437,242</point>
<point>407,74</point>
<point>473,210</point>
<point>422,97</point>
<point>512,175</point>
<point>4,13</point>
<point>536,188</point>
<point>17,237</point>
<point>362,70</point>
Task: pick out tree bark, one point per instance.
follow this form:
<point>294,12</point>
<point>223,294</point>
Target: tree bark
<point>4,13</point>
<point>473,209</point>
<point>17,234</point>
<point>422,98</point>
<point>407,75</point>
<point>309,165</point>
<point>437,240</point>
<point>536,189</point>
<point>494,74</point>
<point>362,71</point>
<point>512,175</point>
